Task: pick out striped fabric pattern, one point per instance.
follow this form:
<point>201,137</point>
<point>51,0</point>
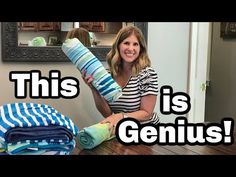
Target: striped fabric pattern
<point>31,115</point>
<point>29,148</point>
<point>83,59</point>
<point>145,83</point>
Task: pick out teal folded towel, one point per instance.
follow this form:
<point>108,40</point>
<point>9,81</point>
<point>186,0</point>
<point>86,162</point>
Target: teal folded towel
<point>92,136</point>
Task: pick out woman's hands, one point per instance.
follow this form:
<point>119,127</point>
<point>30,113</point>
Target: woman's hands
<point>87,79</point>
<point>113,120</point>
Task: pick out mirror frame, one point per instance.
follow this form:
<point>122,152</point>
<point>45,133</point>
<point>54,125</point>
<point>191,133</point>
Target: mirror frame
<point>11,52</point>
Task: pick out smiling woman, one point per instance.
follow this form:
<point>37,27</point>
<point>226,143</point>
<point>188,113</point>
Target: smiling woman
<point>11,51</point>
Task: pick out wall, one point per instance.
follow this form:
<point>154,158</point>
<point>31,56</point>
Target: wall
<point>221,95</point>
<point>168,47</point>
<point>168,50</point>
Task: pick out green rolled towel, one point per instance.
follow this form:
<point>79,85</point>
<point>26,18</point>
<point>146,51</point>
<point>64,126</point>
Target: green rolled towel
<point>92,136</point>
<point>38,41</point>
<point>2,146</point>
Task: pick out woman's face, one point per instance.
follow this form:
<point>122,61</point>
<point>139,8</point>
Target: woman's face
<point>129,49</point>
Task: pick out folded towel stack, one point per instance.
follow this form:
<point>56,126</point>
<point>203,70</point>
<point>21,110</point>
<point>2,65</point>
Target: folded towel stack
<point>83,59</point>
<point>92,136</point>
<point>29,128</point>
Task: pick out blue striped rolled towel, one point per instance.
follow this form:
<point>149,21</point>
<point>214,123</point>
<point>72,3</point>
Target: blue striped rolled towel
<point>92,136</point>
<point>83,59</point>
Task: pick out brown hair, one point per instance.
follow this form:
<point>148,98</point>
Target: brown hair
<point>80,33</point>
<point>114,59</point>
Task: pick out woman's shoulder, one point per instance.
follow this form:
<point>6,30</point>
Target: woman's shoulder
<point>147,74</point>
<point>147,79</point>
<point>147,71</point>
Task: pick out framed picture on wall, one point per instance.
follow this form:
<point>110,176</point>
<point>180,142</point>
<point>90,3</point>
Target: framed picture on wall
<point>52,40</point>
<point>228,29</point>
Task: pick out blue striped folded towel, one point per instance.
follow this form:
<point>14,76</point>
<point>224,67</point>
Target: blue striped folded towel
<point>35,124</point>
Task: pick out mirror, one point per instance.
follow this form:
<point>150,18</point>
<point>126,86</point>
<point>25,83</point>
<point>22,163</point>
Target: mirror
<point>13,52</point>
<point>92,34</point>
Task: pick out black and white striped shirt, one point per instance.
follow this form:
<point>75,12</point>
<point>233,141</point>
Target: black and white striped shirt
<point>145,83</point>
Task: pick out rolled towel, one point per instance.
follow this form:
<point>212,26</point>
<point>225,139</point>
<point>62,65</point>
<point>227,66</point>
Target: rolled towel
<point>83,59</point>
<point>37,41</point>
<point>3,147</point>
<point>92,136</point>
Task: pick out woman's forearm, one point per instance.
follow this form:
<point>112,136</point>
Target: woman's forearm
<point>101,103</point>
<point>140,115</point>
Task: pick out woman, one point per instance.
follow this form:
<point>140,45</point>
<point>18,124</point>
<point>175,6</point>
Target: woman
<point>129,66</point>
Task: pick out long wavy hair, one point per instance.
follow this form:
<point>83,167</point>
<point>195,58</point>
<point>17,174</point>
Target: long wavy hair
<point>114,59</point>
<point>80,33</point>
